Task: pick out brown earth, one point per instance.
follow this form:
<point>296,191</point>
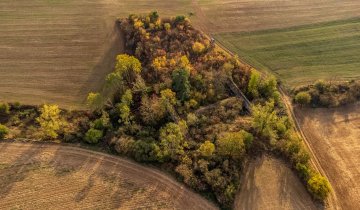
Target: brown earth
<point>57,51</point>
<point>49,176</point>
<point>334,135</point>
<point>245,15</point>
<point>270,184</point>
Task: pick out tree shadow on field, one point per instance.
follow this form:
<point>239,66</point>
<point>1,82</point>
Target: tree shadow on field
<point>115,46</point>
<point>82,194</point>
<point>248,194</point>
<point>19,168</point>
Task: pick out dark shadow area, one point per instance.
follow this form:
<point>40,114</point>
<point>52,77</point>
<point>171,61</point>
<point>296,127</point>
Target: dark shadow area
<point>115,46</point>
<point>19,168</point>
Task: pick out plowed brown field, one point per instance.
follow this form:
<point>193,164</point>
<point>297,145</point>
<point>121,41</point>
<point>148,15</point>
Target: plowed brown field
<point>334,135</point>
<point>44,176</point>
<point>269,184</point>
<point>57,51</point>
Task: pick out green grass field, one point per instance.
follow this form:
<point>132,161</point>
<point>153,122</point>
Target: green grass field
<point>303,54</point>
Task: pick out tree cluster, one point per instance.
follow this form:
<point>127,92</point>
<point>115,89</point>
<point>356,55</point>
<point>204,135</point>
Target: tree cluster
<point>328,94</point>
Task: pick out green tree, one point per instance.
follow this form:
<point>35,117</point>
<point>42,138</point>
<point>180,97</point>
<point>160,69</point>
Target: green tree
<point>181,84</point>
<point>103,122</point>
<point>303,98</point>
<point>50,121</point>
<point>207,149</point>
<point>3,131</point>
<point>147,151</point>
<point>265,120</point>
<point>93,136</point>
<point>254,83</point>
<point>113,82</point>
<point>268,88</point>
<point>124,107</point>
<point>171,141</point>
<point>234,144</point>
<point>319,187</point>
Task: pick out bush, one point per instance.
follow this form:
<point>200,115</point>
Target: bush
<point>303,170</point>
<point>207,149</point>
<point>3,131</point>
<point>4,108</point>
<point>234,144</point>
<point>93,136</point>
<point>303,98</point>
<point>125,145</point>
<point>319,187</point>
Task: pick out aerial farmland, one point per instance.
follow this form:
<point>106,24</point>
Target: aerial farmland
<point>184,104</point>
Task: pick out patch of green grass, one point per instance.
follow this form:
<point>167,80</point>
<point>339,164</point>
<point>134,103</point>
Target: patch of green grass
<point>300,55</point>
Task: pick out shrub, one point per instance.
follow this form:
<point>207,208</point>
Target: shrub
<point>234,144</point>
<point>94,101</point>
<point>93,136</point>
<point>125,145</point>
<point>3,131</point>
<point>319,187</point>
<point>103,122</point>
<point>147,151</point>
<point>4,108</point>
<point>321,86</point>
<point>179,19</point>
<point>303,98</point>
<point>303,170</point>
<point>167,26</point>
<point>171,141</point>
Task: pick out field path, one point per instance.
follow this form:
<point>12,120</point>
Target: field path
<point>50,175</point>
<point>333,202</point>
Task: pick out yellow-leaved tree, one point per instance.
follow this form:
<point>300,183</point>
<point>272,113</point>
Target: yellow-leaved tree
<point>50,121</point>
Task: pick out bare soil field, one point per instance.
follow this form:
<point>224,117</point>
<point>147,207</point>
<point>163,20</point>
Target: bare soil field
<point>334,135</point>
<point>57,51</point>
<point>44,176</point>
<point>269,184</point>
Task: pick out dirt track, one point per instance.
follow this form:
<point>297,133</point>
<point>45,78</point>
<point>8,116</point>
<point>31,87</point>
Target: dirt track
<point>43,176</point>
<point>269,184</point>
<point>334,135</point>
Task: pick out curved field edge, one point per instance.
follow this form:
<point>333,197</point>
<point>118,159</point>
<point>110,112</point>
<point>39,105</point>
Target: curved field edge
<point>78,177</point>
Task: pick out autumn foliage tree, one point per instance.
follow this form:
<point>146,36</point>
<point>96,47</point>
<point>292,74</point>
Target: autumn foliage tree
<point>50,121</point>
